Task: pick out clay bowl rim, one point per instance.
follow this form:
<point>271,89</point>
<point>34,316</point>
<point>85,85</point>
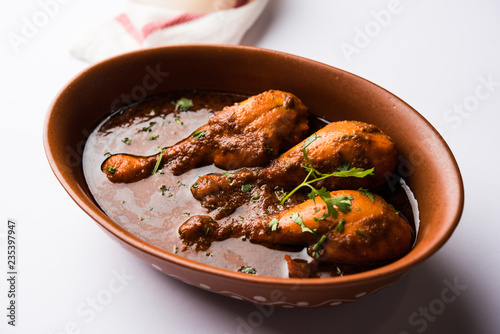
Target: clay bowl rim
<point>393,269</point>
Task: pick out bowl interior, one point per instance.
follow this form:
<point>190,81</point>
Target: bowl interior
<point>426,161</point>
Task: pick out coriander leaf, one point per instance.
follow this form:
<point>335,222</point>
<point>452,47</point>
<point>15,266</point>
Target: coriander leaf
<point>306,158</point>
<point>367,193</point>
<point>344,171</point>
<point>360,232</point>
<point>323,217</point>
<point>183,104</point>
<point>343,203</point>
<point>154,137</point>
<point>331,209</point>
<point>348,136</point>
<point>247,270</point>
<point>315,252</point>
<point>309,140</point>
<point>158,162</point>
<point>199,134</point>
<point>246,188</point>
<point>295,217</point>
<point>111,169</point>
<point>148,128</point>
<point>273,224</point>
<point>322,193</point>
<point>177,120</point>
<point>344,167</point>
<point>340,226</point>
<point>163,189</point>
<point>126,141</point>
<point>254,198</point>
<point>228,175</point>
<point>281,195</point>
<point>354,172</point>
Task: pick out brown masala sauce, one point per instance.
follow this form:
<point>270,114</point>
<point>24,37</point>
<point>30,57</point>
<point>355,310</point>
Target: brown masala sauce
<point>154,208</point>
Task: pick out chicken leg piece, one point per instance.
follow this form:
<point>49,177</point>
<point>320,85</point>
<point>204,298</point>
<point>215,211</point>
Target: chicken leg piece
<point>248,134</point>
<point>354,143</point>
<point>366,230</point>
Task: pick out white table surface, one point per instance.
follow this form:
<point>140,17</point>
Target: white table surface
<point>442,57</point>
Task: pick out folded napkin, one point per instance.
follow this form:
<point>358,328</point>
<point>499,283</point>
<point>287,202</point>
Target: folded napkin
<point>152,23</point>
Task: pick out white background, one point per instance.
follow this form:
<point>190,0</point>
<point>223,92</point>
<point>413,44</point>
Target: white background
<point>435,55</point>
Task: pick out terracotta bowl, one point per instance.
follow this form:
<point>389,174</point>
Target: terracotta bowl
<point>426,161</point>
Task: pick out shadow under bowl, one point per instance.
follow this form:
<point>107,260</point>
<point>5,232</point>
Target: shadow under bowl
<point>427,163</point>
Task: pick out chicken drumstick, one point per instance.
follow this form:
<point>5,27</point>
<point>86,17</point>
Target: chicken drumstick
<point>364,230</point>
<point>248,134</point>
<point>351,143</point>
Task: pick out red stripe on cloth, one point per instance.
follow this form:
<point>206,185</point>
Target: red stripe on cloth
<point>151,27</point>
<point>129,27</point>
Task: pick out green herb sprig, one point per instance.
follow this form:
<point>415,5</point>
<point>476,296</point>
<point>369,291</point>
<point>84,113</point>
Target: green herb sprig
<point>158,162</point>
<point>199,134</point>
<point>314,176</point>
<point>315,252</point>
<point>183,104</point>
<point>247,270</point>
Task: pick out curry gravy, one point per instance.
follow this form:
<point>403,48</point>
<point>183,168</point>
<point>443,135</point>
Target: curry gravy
<point>154,208</point>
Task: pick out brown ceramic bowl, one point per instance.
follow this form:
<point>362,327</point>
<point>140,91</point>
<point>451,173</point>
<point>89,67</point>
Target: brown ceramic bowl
<point>427,162</point>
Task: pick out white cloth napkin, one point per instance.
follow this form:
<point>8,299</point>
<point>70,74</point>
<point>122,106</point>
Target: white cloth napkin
<point>153,23</point>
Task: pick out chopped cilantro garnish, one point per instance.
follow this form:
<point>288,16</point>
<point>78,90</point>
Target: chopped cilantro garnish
<point>309,140</point>
<point>348,136</point>
<point>228,175</point>
<point>199,134</point>
<point>154,137</point>
<point>273,224</point>
<point>281,195</point>
<point>295,217</point>
<point>315,252</point>
<point>247,270</point>
<point>148,128</point>
<point>340,226</point>
<point>397,212</point>
<point>111,169</point>
<point>158,162</point>
<point>177,120</point>
<point>163,189</point>
<point>126,141</point>
<point>360,232</point>
<point>367,193</point>
<point>353,172</point>
<point>254,197</point>
<point>246,188</point>
<point>343,203</point>
<point>269,149</point>
<point>194,185</point>
<point>183,104</point>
